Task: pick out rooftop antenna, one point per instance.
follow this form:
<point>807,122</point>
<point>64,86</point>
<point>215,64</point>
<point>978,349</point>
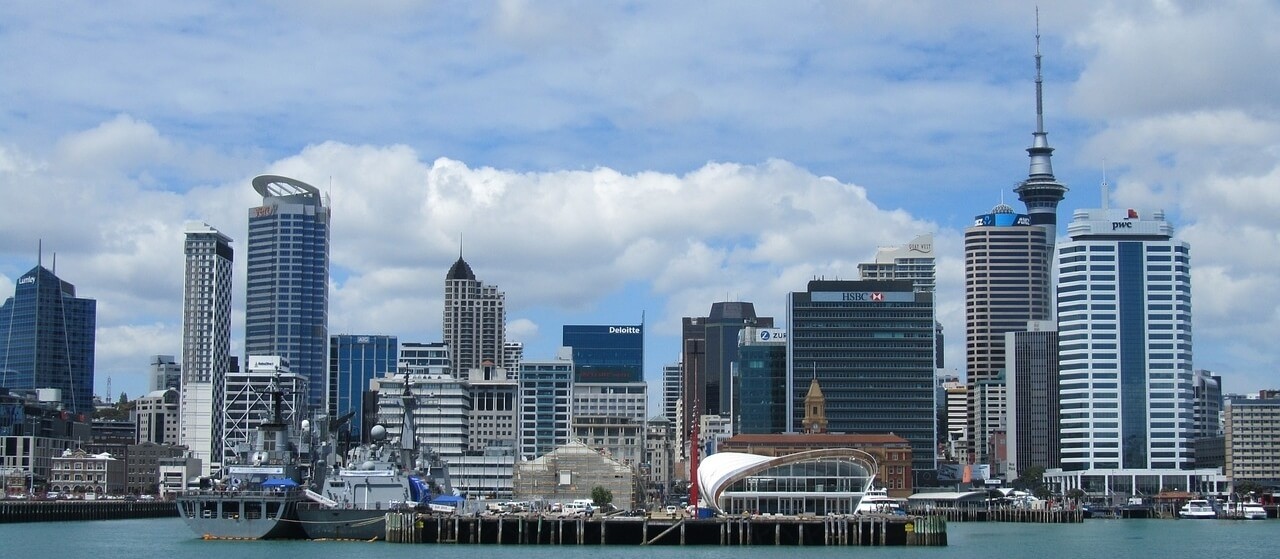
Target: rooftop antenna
<point>55,263</point>
<point>1105,187</point>
<point>39,252</point>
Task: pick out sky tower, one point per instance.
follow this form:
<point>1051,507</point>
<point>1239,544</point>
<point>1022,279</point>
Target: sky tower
<point>1041,192</point>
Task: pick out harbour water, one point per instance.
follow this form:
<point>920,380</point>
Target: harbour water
<point>169,538</point>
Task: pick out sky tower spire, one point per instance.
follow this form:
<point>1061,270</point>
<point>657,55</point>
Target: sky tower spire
<point>1041,192</point>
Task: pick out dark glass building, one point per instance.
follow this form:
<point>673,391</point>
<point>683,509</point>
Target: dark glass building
<point>709,348</point>
<point>870,345</point>
<point>354,360</point>
<point>287,285</point>
<point>606,354</point>
<point>47,339</point>
<point>760,394</point>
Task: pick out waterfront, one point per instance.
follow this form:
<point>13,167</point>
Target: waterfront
<point>169,538</point>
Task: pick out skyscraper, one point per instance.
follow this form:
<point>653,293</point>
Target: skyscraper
<point>913,261</point>
<point>710,347</point>
<point>166,373</point>
<point>870,345</point>
<point>475,321</point>
<point>760,382</point>
<point>606,354</point>
<point>47,339</point>
<point>206,341</point>
<point>546,405</point>
<point>1006,284</point>
<point>1124,301</point>
<point>1031,371</point>
<point>287,295</point>
<point>354,360</point>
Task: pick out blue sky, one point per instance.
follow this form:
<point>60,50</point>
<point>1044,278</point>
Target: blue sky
<point>607,159</point>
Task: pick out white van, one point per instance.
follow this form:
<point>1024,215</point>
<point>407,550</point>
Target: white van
<point>582,506</point>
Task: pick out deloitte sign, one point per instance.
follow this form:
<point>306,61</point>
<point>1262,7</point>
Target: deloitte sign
<point>624,330</point>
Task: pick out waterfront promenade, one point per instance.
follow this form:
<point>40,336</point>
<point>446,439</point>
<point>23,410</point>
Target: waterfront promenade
<point>105,509</point>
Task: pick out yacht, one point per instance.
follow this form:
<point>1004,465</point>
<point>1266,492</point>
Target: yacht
<point>1198,509</point>
<point>878,501</point>
<point>1250,510</point>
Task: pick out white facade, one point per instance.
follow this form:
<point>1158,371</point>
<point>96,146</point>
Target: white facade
<point>1124,304</point>
<point>249,403</point>
<point>913,261</point>
<point>206,341</point>
<point>158,417</point>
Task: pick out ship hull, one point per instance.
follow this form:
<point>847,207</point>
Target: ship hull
<point>241,516</point>
<point>323,523</point>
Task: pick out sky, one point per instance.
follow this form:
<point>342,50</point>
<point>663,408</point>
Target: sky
<point>601,162</point>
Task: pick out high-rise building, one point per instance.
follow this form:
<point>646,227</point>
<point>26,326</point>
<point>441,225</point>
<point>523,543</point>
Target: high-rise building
<point>47,339</point>
<point>760,390</point>
<point>870,345</point>
<point>546,405</point>
<point>354,360</point>
<point>1031,374</point>
<point>913,261</point>
<point>1253,438</point>
<point>1007,265</point>
<point>157,414</point>
<point>1124,318</point>
<point>206,342</point>
<point>671,392</point>
<point>287,295</point>
<point>604,354</point>
<point>475,319</point>
<point>166,373</point>
<point>1209,404</point>
<point>512,355</point>
<point>709,349</point>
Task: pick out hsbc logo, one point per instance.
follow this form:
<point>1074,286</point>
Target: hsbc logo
<point>872,296</point>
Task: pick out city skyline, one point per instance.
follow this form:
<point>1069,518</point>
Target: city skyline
<point>605,164</point>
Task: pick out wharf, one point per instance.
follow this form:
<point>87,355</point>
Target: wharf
<point>1041,516</point>
<point>104,509</point>
<point>856,530</point>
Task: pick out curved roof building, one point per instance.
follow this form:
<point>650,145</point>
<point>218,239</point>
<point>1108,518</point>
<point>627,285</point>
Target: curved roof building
<point>819,482</point>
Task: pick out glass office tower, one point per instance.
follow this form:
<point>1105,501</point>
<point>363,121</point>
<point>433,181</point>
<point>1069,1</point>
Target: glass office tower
<point>47,337</point>
<point>287,295</point>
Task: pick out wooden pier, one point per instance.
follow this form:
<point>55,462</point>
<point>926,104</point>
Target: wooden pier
<point>1041,516</point>
<point>858,530</point>
<point>55,511</point>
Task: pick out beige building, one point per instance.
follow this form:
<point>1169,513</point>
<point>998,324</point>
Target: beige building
<point>158,417</point>
<point>1253,438</point>
<point>571,472</point>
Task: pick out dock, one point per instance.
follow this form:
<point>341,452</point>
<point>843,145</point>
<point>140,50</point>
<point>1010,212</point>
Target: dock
<point>756,530</point>
<point>104,509</point>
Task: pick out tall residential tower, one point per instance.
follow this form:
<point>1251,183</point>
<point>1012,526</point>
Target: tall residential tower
<point>206,341</point>
<point>475,319</point>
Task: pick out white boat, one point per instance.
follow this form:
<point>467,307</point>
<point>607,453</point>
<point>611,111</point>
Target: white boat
<point>1251,511</point>
<point>1198,509</point>
<point>878,501</point>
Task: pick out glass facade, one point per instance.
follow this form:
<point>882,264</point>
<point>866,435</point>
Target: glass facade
<point>546,392</point>
<point>1127,389</point>
<point>870,345</point>
<point>287,294</point>
<point>47,339</point>
<point>354,360</point>
<point>761,397</point>
<point>606,353</point>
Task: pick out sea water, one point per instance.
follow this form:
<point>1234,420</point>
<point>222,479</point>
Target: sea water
<point>169,538</point>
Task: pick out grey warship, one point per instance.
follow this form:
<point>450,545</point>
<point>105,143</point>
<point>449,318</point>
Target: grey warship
<point>380,477</point>
<point>257,496</point>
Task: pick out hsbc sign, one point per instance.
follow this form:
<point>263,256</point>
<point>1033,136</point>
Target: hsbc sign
<point>863,297</point>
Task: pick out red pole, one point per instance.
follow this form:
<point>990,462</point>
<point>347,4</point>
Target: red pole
<point>693,465</point>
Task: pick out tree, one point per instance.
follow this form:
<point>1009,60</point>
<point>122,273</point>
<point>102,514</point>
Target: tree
<point>124,398</point>
<point>1076,494</point>
<point>1030,479</point>
<point>601,496</point>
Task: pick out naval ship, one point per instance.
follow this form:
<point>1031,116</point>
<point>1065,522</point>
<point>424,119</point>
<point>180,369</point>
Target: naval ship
<point>377,478</point>
<point>257,495</point>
